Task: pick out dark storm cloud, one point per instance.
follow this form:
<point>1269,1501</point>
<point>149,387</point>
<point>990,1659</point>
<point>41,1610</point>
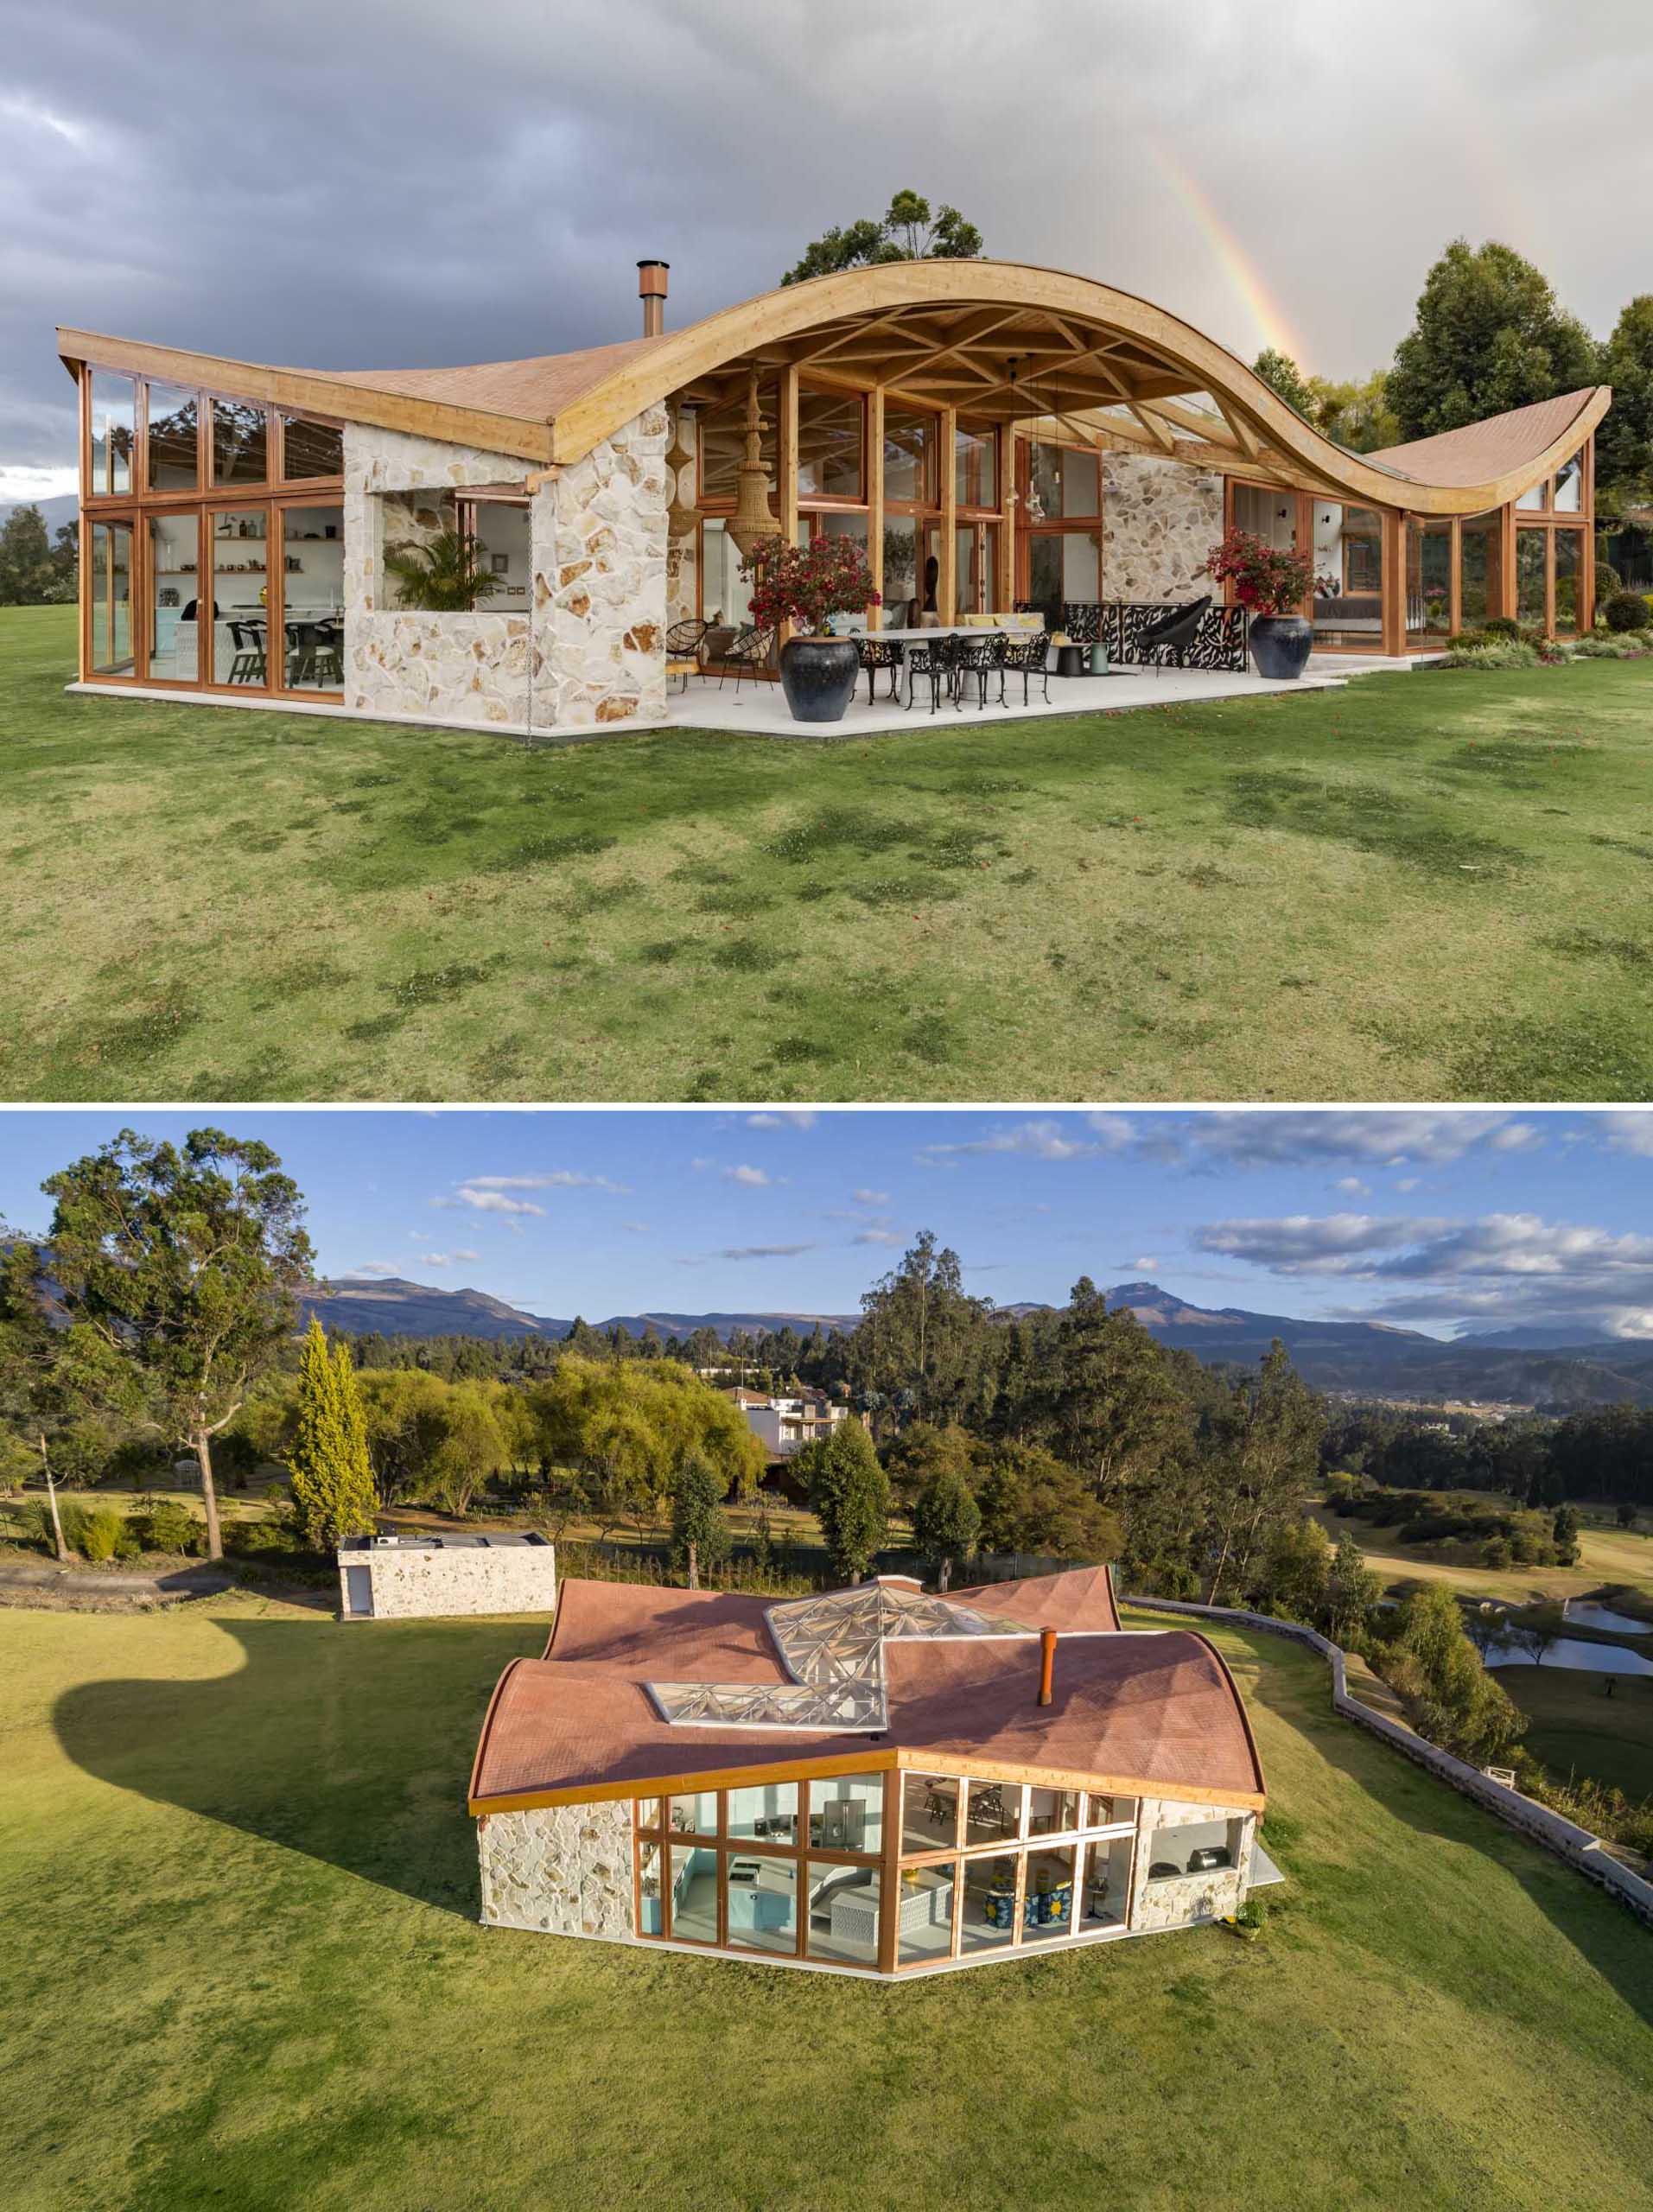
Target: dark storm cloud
<point>352,184</point>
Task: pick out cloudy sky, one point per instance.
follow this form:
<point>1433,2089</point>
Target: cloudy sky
<point>1433,1220</point>
<point>367,184</point>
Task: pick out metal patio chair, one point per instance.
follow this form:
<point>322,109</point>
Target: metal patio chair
<point>1029,658</point>
<point>1167,637</point>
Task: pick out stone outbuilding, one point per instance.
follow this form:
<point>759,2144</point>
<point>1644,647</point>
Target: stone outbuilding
<point>427,1576</point>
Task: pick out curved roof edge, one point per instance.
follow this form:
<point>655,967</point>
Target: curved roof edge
<point>556,408</point>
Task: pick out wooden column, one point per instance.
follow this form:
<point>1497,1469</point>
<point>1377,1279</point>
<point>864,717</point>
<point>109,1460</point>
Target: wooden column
<point>83,564</point>
<point>1508,589</point>
<point>786,472</point>
<point>1009,489</point>
<point>889,1881</point>
<point>1455,577</point>
<point>875,497</point>
<point>1587,550</point>
<point>947,584</point>
<point>1394,556</point>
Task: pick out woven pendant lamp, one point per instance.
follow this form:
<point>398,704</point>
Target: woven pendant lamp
<point>754,519</point>
<point>683,514</point>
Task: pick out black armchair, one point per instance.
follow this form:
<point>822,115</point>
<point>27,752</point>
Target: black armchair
<point>1169,635</point>
<point>877,653</point>
<point>977,660</point>
<point>1029,656</point>
<point>745,655</point>
<point>933,663</point>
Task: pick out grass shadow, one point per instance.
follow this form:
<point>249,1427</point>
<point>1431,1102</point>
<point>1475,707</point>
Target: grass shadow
<point>351,1742</point>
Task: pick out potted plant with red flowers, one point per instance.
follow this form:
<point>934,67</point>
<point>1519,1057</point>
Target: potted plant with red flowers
<point>807,585</point>
<point>1271,584</point>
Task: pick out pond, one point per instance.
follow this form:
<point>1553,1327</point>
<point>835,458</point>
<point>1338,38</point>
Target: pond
<point>1588,1614</point>
<point>1569,1651</point>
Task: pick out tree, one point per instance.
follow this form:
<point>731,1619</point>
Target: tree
<point>850,1494</point>
<point>1489,335</point>
<point>921,1338</point>
<point>1565,1528</point>
<point>444,574</point>
<point>1269,1447</point>
<point>471,1447</point>
<point>1536,1629</point>
<point>1351,1591</point>
<point>1448,1695</point>
<point>1625,439</point>
<point>1030,1502</point>
<point>700,1532</point>
<point>1110,1408</point>
<point>1283,378</point>
<point>1485,1625</point>
<point>946,1520</point>
<point>907,230</point>
<point>51,1377</point>
<point>332,1481</point>
<point>28,572</point>
<point>185,1262</point>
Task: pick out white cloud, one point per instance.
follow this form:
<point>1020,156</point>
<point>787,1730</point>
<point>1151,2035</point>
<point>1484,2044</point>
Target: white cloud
<point>764,1251</point>
<point>801,1117</point>
<point>1364,1139</point>
<point>1630,1131</point>
<point>1045,1140</point>
<point>447,1258</point>
<point>752,1178</point>
<point>1144,1264</point>
<point>636,1227</point>
<point>877,1237</point>
<point>864,1198</point>
<point>488,1202</point>
<point>1353,1187</point>
<point>372,1267</point>
<point>555,1179</point>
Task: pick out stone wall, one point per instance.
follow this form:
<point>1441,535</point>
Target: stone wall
<point>1565,1838</point>
<point>1160,519</point>
<point>473,668</point>
<point>600,582</point>
<point>566,1869</point>
<point>1216,1895</point>
<point>409,1584</point>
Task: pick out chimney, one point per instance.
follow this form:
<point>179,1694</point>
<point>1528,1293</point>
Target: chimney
<point>1046,1662</point>
<point>651,290</point>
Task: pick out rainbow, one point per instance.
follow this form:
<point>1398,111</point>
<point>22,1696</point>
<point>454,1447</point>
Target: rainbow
<point>1274,327</point>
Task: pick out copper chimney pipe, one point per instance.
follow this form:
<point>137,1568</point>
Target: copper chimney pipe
<point>651,290</point>
<point>1046,1662</point>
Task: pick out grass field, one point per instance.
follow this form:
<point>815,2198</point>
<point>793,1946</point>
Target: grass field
<point>1574,1725</point>
<point>240,1966</point>
<point>1424,886</point>
<point>1621,1556</point>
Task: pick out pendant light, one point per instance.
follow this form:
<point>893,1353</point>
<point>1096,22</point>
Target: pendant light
<point>752,520</point>
<point>683,514</point>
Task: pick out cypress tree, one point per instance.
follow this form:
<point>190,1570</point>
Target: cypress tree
<point>333,1483</point>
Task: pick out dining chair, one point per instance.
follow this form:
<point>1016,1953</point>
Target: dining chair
<point>745,656</point>
<point>248,665</point>
<point>1170,635</point>
<point>1029,658</point>
<point>882,652</point>
<point>933,662</point>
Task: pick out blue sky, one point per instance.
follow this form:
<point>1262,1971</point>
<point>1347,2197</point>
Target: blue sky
<point>1432,1219</point>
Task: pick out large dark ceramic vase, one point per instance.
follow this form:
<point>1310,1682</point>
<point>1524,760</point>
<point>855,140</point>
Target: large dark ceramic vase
<point>1281,645</point>
<point>819,677</point>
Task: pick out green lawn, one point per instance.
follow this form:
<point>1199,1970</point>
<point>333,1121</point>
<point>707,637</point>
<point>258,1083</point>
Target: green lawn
<point>240,1966</point>
<point>1576,1725</point>
<point>1424,886</point>
<point>1606,1557</point>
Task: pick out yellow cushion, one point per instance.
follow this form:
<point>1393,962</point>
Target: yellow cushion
<point>978,621</point>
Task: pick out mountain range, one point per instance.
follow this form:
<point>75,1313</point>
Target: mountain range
<point>63,507</point>
<point>1519,1366</point>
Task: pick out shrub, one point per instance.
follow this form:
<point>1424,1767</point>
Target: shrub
<point>1501,626</point>
<point>96,1534</point>
<point>1630,646</point>
<point>1502,653</point>
<point>1608,580</point>
<point>1253,1915</point>
<point>166,1526</point>
<point>1624,611</point>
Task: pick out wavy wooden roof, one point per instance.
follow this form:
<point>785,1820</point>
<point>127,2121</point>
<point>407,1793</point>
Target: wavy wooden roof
<point>999,340</point>
<point>1140,1715</point>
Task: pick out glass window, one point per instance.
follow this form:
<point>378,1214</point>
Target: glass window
<point>1052,1812</point>
<point>1064,481</point>
<point>1569,486</point>
<point>976,467</point>
<point>1081,565</point>
<point>239,541</point>
<point>178,614</point>
<point>1429,579</point>
<point>829,445</point>
<point>767,1812</point>
<point>1047,1901</point>
<point>241,442</point>
<point>846,1812</point>
<point>694,1893</point>
<point>925,1913</point>
<point>909,456</point>
<point>694,1815</point>
<point>977,567</point>
<point>1569,559</point>
<point>1045,576</point>
<point>1196,1847</point>
<point>929,1812</point>
<point>1535,497</point>
<point>648,1812</point>
<point>1108,1812</point>
<point>762,1900</point>
<point>1348,588</point>
<point>1106,1896</point>
<point>1480,569</point>
<point>111,598</point>
<point>994,1811</point>
<point>501,531</point>
<point>310,448</point>
<point>1529,575</point>
<point>175,458</point>
<point>114,412</point>
<point>313,597</point>
<point>725,596</point>
<point>989,1915</point>
<point>648,1886</point>
<point>843,1912</point>
<point>722,443</point>
<point>900,573</point>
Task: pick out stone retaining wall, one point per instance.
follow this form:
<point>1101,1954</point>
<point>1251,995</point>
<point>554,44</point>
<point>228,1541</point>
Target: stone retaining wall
<point>1563,1837</point>
<point>600,582</point>
<point>438,1582</point>
<point>565,1869</point>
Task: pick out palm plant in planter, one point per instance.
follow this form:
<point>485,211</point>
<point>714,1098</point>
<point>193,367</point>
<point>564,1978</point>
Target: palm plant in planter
<point>442,576</point>
<point>807,585</point>
<point>1271,584</point>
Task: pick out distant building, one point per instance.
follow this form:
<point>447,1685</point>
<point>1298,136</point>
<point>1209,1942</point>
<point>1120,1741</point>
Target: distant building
<point>428,1575</point>
<point>785,1425</point>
